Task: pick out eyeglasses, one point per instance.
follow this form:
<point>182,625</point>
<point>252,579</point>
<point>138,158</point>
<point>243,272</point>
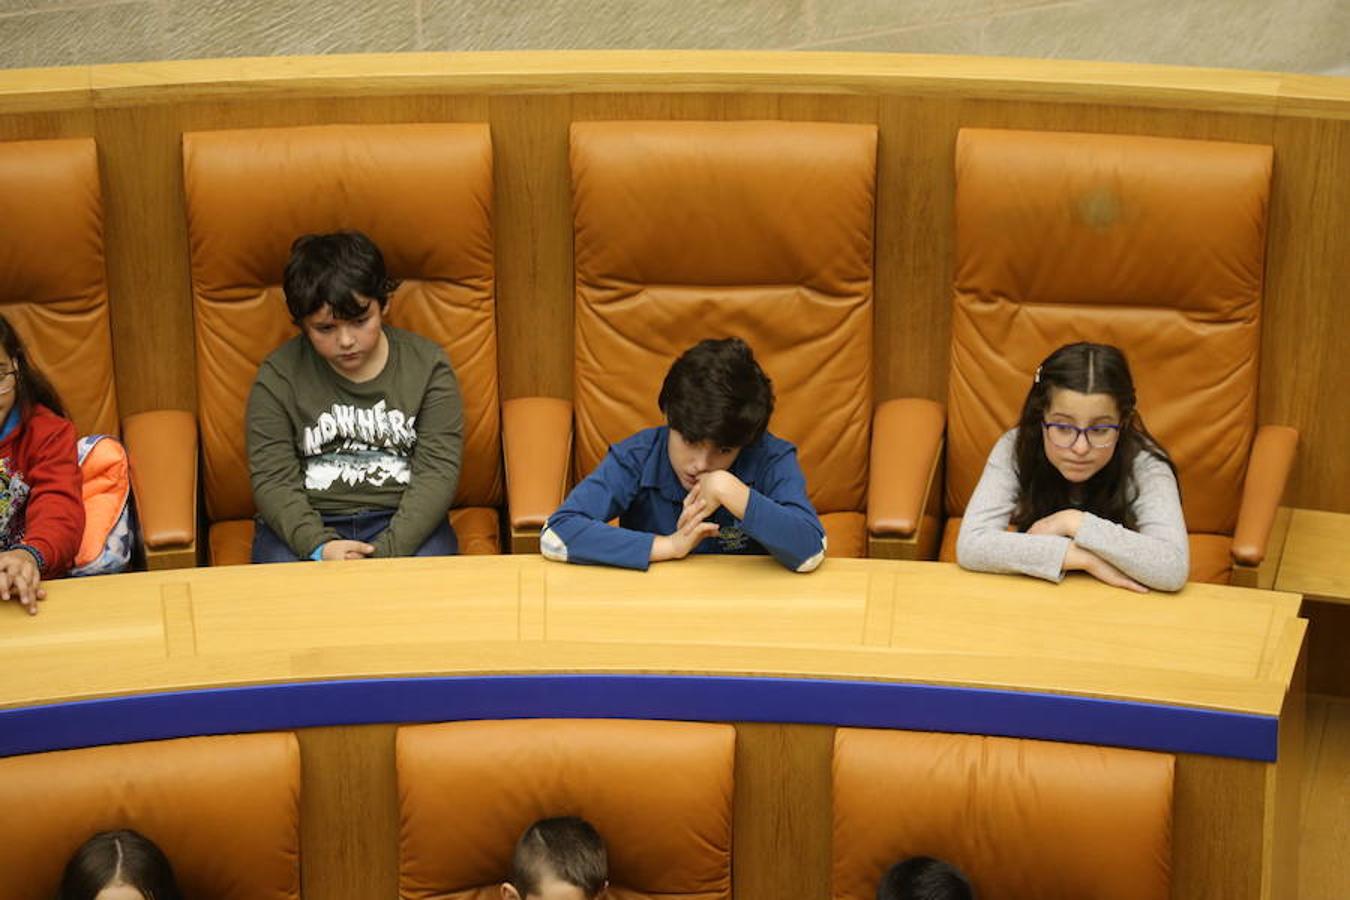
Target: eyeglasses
<point>5,374</point>
<point>1063,435</point>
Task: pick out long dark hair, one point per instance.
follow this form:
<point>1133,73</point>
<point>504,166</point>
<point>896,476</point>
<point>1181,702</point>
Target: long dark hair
<point>118,857</point>
<point>31,387</point>
<point>1110,493</point>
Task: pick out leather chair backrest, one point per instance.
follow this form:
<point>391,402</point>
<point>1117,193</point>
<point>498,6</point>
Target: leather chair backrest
<point>423,193</point>
<point>757,230</point>
<point>1025,820</point>
<point>53,282</point>
<point>659,793</point>
<point>1154,245</point>
<point>225,810</point>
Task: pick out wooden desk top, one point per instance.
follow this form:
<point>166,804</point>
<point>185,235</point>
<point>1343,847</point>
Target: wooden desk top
<point>1316,557</point>
<point>1211,647</point>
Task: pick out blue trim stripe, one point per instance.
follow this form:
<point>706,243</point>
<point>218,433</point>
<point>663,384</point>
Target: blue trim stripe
<point>866,704</point>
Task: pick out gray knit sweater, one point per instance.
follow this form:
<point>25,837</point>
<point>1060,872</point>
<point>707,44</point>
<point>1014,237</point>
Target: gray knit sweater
<point>1157,555</point>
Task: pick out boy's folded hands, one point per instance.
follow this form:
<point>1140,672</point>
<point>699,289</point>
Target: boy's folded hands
<point>344,549</point>
<point>698,505</point>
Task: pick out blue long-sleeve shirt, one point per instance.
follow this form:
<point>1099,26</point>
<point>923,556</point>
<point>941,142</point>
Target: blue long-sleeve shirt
<point>636,482</point>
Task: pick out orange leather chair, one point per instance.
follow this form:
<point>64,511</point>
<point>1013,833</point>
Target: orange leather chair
<point>1155,245</point>
<point>424,194</point>
<point>468,790</point>
<point>1024,820</point>
<point>225,810</point>
<point>692,230</point>
<point>54,289</point>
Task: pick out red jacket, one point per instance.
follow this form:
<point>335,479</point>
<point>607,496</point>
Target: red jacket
<point>41,502</point>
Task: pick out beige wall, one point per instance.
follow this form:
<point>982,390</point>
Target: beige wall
<point>1277,35</point>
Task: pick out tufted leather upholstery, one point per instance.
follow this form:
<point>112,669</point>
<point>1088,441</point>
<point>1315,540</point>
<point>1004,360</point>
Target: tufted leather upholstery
<point>467,790</point>
<point>54,290</point>
<point>1155,245</point>
<point>225,810</point>
<point>1025,820</point>
<point>53,284</point>
<point>757,230</point>
<point>423,193</point>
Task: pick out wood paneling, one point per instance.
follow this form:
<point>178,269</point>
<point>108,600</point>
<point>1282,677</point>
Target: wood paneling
<point>1314,563</point>
<point>533,225</point>
<point>781,842</point>
<point>348,812</point>
<point>1217,813</point>
<point>1324,866</point>
<point>1283,812</point>
<point>137,112</point>
<point>1305,368</point>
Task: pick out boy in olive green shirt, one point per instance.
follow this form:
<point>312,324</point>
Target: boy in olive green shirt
<point>354,427</point>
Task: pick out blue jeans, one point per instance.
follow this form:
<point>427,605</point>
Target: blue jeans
<point>268,547</point>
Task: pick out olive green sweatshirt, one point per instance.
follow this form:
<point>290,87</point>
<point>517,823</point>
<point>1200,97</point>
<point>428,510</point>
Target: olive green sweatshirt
<point>319,444</point>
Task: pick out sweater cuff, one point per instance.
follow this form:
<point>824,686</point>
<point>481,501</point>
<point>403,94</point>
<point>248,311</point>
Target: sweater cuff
<point>309,541</point>
<point>36,554</point>
<point>1051,568</point>
<point>1094,533</point>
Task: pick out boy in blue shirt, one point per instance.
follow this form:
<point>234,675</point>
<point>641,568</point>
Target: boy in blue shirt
<point>712,480</point>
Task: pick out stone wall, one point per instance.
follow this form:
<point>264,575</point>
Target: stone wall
<point>1279,35</point>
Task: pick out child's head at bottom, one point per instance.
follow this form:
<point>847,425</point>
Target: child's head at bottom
<point>118,865</point>
<point>558,859</point>
<point>924,878</point>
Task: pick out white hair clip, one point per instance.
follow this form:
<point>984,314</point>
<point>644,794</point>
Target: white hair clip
<point>1038,375</point>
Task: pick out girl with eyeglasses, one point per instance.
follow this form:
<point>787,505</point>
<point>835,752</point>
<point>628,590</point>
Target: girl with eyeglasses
<point>1083,483</point>
<point>41,507</point>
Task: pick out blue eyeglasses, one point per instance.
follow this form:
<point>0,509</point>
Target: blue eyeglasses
<point>1063,435</point>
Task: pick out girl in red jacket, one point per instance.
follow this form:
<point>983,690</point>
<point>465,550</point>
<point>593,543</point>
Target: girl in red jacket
<point>41,508</point>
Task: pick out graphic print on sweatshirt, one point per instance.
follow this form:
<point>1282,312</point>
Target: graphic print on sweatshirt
<point>353,445</point>
<point>13,500</point>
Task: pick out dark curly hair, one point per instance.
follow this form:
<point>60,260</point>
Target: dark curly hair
<point>717,392</point>
<point>335,270</point>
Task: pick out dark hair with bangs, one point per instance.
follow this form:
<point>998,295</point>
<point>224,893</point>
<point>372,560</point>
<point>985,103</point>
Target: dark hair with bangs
<point>568,848</point>
<point>1041,489</point>
<point>717,392</point>
<point>118,857</point>
<point>335,270</point>
<point>31,387</point>
<point>924,878</point>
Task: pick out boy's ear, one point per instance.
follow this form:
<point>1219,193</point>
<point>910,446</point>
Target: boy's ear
<point>510,893</point>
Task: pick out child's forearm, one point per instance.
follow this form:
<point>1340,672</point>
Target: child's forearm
<point>573,537</point>
<point>792,535</point>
